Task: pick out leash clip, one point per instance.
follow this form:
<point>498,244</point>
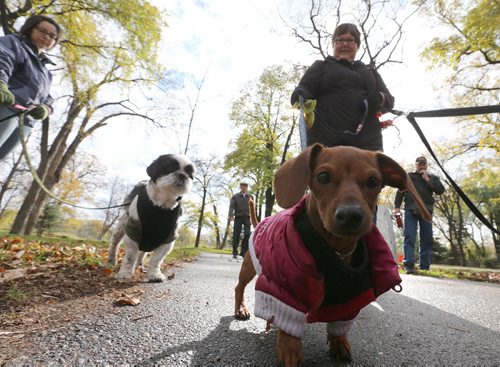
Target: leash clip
<point>397,288</point>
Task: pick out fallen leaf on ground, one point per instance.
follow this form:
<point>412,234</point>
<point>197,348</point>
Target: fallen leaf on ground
<point>105,271</point>
<point>13,274</point>
<point>126,300</point>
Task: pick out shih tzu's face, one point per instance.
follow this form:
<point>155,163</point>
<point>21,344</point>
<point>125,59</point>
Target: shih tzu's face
<point>172,174</point>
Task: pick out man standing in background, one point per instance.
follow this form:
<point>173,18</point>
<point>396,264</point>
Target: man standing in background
<point>239,212</point>
<point>427,185</point>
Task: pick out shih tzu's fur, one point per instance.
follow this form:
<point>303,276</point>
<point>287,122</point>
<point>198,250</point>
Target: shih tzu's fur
<point>149,223</point>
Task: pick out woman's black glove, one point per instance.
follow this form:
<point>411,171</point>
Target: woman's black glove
<point>295,97</point>
<point>300,92</point>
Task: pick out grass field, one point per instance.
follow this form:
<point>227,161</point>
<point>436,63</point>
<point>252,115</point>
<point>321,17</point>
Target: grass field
<point>31,252</point>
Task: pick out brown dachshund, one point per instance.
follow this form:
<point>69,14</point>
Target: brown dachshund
<point>344,184</point>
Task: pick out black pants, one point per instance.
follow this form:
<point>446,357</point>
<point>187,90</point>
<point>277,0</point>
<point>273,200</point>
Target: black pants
<point>238,223</point>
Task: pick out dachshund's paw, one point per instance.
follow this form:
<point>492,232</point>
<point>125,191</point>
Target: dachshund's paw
<point>242,312</point>
<point>340,348</point>
<point>288,350</point>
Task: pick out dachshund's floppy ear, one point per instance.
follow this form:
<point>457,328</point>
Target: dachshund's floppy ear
<point>292,178</point>
<point>395,176</point>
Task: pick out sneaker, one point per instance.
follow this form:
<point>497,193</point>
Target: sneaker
<point>410,268</point>
<point>235,257</point>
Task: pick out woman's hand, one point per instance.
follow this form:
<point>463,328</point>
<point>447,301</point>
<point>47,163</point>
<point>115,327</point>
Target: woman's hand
<point>6,96</point>
<point>40,112</point>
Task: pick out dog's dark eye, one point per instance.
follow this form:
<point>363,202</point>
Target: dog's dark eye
<point>373,183</point>
<point>324,178</point>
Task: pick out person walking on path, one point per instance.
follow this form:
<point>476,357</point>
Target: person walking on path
<point>24,78</point>
<point>239,212</point>
<point>427,185</point>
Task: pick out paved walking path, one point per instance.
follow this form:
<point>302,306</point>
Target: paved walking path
<point>188,321</point>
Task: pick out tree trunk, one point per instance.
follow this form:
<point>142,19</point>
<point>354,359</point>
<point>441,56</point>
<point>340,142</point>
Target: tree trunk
<point>496,238</point>
<point>269,202</point>
<point>200,219</point>
<point>288,140</point>
<point>496,242</point>
<point>33,202</point>
<point>460,236</point>
<point>226,233</point>
<point>52,163</point>
<point>6,183</point>
<point>216,227</point>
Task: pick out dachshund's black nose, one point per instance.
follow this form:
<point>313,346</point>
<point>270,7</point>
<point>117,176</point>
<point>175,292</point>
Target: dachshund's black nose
<point>349,218</point>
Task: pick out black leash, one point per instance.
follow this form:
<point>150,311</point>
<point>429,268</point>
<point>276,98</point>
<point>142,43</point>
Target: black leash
<point>465,111</point>
<point>20,110</point>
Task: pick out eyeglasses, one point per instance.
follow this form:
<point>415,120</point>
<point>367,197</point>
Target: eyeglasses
<point>349,41</point>
<point>46,32</point>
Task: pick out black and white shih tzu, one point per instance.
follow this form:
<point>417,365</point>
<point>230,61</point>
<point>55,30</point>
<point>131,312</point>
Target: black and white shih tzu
<point>149,223</point>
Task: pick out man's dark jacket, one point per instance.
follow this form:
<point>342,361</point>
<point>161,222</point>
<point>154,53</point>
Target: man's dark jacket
<point>238,206</point>
<point>425,189</point>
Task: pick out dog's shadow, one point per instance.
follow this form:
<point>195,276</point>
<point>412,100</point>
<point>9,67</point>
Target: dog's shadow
<point>226,345</point>
<point>222,346</point>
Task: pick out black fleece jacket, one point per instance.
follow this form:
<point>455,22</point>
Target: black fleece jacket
<point>340,88</point>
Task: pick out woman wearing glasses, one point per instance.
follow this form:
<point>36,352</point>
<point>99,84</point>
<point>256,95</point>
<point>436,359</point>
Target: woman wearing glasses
<point>24,79</point>
<point>348,95</point>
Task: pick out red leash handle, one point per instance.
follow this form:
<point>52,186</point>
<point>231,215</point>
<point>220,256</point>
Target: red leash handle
<point>19,107</point>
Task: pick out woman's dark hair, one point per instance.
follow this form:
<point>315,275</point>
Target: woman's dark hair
<point>35,20</point>
<point>347,28</point>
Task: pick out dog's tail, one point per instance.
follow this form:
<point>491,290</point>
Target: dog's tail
<point>253,214</point>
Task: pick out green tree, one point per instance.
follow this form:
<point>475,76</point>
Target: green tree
<point>482,185</point>
<point>186,237</point>
<point>49,219</point>
<point>468,51</point>
<point>108,46</point>
<point>117,191</point>
<point>263,115</point>
<point>452,223</point>
<point>207,177</point>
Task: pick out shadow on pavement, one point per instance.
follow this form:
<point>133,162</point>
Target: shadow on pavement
<point>398,331</point>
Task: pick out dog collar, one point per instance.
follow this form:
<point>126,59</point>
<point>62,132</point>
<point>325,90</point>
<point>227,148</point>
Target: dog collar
<point>343,256</point>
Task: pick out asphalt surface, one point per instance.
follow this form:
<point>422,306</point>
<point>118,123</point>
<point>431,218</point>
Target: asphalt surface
<point>188,321</point>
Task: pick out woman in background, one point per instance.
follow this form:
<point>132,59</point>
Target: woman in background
<point>24,79</point>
